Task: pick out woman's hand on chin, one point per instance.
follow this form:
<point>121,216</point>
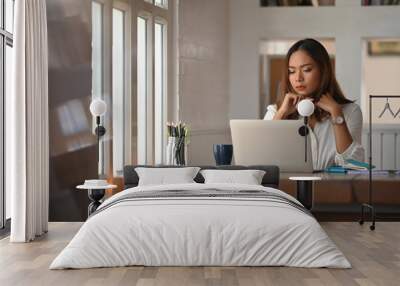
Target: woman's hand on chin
<point>289,105</point>
<point>328,104</point>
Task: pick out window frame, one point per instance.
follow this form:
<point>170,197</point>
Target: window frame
<point>163,5</point>
<point>6,39</point>
<point>127,117</point>
<point>149,91</point>
<point>101,95</point>
<point>105,146</point>
<point>156,13</point>
<point>160,154</point>
<point>149,11</point>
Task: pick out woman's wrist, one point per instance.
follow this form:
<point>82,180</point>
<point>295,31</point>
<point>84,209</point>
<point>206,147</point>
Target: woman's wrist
<point>336,111</point>
<point>279,115</point>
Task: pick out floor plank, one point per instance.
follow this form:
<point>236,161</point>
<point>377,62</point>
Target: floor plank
<point>375,257</point>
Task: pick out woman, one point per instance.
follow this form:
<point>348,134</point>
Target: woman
<point>336,124</point>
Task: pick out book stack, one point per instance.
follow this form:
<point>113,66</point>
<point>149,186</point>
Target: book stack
<point>350,166</point>
<point>315,3</point>
<point>380,2</point>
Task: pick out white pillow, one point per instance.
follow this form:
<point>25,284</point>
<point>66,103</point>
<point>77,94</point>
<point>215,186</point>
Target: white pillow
<point>163,176</point>
<point>248,177</point>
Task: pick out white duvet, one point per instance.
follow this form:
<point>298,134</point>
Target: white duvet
<point>200,231</point>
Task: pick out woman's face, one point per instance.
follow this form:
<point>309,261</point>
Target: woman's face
<point>304,74</point>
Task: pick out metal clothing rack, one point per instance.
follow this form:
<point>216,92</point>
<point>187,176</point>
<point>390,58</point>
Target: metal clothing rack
<point>370,205</point>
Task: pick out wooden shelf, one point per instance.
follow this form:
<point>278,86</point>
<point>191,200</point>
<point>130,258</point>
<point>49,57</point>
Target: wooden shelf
<point>379,2</point>
<point>296,3</point>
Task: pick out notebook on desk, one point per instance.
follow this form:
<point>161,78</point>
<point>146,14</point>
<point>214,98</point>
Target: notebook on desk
<point>350,166</point>
<point>271,142</point>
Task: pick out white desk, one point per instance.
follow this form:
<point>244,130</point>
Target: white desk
<point>345,189</point>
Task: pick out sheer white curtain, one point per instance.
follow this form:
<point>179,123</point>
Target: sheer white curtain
<point>27,155</point>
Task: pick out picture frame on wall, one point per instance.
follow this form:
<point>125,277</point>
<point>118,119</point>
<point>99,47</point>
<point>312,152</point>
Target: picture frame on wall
<point>384,48</point>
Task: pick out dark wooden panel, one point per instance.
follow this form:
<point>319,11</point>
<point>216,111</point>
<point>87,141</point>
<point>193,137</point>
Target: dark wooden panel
<point>340,200</point>
<point>73,147</point>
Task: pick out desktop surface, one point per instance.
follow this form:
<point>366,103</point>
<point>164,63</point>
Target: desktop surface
<point>341,176</point>
<point>338,197</point>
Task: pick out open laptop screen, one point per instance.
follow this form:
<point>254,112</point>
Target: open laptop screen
<point>271,142</point>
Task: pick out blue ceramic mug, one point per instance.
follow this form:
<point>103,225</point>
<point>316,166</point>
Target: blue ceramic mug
<point>223,153</point>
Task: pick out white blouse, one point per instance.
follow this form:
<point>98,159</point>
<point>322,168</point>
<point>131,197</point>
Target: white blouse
<point>323,145</point>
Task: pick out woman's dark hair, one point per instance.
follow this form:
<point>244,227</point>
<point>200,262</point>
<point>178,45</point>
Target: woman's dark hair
<point>328,83</point>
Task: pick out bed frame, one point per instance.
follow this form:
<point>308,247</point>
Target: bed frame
<point>270,179</point>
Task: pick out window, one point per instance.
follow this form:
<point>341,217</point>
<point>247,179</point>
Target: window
<point>139,107</point>
<point>3,207</point>
<point>142,84</point>
<point>97,68</point>
<point>6,49</point>
<point>97,50</point>
<point>159,90</point>
<point>121,87</point>
<point>161,3</point>
<point>118,79</point>
<point>152,63</point>
<point>9,19</point>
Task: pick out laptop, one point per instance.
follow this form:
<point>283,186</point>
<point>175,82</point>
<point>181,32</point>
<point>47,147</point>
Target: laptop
<point>271,142</point>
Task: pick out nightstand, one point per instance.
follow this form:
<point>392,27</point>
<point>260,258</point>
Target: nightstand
<point>96,190</point>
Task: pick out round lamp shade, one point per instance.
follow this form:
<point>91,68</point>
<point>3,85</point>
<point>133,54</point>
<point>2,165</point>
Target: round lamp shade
<point>305,107</point>
<point>98,107</point>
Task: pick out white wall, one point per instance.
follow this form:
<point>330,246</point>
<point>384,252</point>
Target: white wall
<point>382,77</point>
<point>203,75</point>
<point>347,22</point>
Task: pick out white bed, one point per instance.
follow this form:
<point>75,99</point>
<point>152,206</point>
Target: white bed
<point>183,231</point>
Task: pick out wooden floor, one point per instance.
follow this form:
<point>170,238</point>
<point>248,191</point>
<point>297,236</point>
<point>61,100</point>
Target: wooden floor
<point>375,257</point>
